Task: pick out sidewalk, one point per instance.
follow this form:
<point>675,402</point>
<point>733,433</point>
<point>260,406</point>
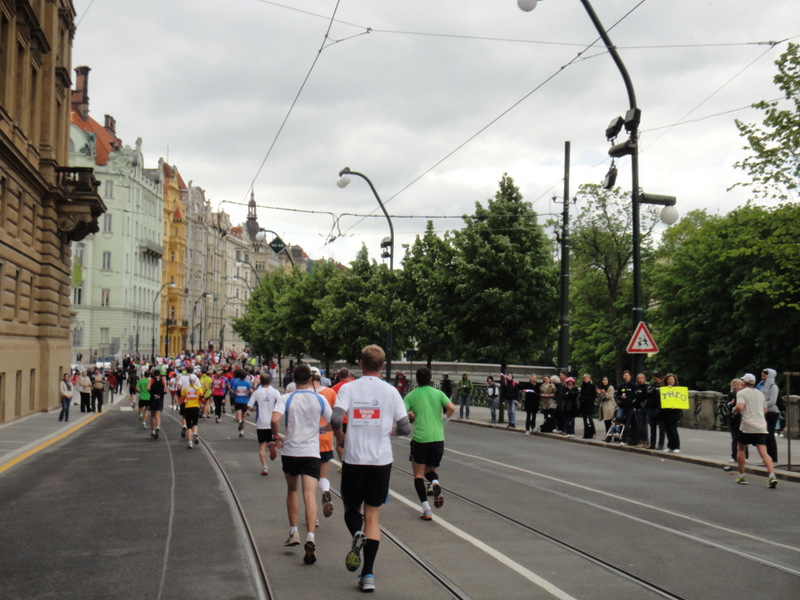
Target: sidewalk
<point>707,448</point>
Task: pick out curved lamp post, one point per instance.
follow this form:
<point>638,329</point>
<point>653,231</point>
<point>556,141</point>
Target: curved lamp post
<point>387,245</point>
<point>240,263</point>
<point>222,326</point>
<point>247,283</point>
<point>631,147</point>
<point>194,308</point>
<point>277,244</point>
<point>153,349</point>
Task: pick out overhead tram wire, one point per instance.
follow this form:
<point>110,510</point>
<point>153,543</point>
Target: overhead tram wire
<point>294,102</point>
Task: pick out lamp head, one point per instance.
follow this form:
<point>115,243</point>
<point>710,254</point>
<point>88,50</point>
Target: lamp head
<point>261,236</point>
<point>343,181</point>
<point>669,214</point>
<point>527,5</point>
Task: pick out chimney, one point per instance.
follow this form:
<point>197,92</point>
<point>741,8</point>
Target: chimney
<point>111,125</point>
<point>80,97</point>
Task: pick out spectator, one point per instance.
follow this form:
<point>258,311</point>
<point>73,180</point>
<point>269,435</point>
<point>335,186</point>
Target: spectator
<point>65,391</point>
<point>625,394</point>
<point>509,391</point>
<point>464,395</point>
<point>605,393</point>
<point>85,386</point>
<point>639,400</point>
<point>569,402</point>
<point>401,383</point>
<point>492,396</point>
<point>671,418</point>
<point>588,395</point>
<point>446,386</point>
<point>533,395</point>
<point>548,393</point>
<point>652,412</point>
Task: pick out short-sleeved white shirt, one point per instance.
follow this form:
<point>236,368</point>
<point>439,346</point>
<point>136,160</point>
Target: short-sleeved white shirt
<point>753,420</point>
<point>301,428</point>
<point>264,399</point>
<point>373,407</point>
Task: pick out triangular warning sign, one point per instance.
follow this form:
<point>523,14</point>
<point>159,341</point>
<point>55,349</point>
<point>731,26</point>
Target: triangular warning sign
<point>642,342</point>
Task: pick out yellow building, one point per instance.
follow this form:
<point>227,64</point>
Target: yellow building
<point>174,324</point>
<point>44,204</point>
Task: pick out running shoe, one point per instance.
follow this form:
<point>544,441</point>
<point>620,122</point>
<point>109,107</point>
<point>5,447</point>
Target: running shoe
<point>190,446</point>
<point>265,470</point>
<point>353,559</point>
<point>241,424</point>
<point>438,500</point>
<point>195,438</point>
<point>428,489</point>
<point>183,431</point>
<point>144,425</point>
<point>272,453</point>
<point>366,583</point>
<point>292,540</point>
<point>741,480</point>
<point>217,420</point>
<point>426,515</point>
<point>676,451</point>
<point>310,558</point>
<point>158,431</point>
<point>241,433</point>
<point>772,482</point>
<point>327,505</point>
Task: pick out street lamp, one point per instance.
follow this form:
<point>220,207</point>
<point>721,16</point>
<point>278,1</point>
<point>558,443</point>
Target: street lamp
<point>247,283</point>
<point>239,263</point>
<point>276,244</point>
<point>630,146</point>
<point>194,308</point>
<point>153,349</point>
<point>222,325</point>
<point>387,246</point>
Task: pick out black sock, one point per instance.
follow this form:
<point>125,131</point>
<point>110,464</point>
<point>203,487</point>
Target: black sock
<point>370,551</point>
<point>419,485</point>
<point>430,476</point>
<point>353,520</point>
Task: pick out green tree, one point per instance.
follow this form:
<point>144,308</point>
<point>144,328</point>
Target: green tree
<point>773,165</point>
<point>426,287</point>
<point>601,288</point>
<point>504,283</point>
<point>727,299</point>
<point>258,325</point>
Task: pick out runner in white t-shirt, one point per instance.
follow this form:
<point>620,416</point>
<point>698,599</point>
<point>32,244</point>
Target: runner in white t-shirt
<point>264,399</point>
<point>301,411</point>
<point>375,411</point>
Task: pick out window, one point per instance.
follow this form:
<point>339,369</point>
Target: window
<point>77,295</point>
<point>109,193</point>
<point>107,223</point>
<point>104,335</point>
<point>106,261</point>
<point>77,337</point>
<point>105,296</point>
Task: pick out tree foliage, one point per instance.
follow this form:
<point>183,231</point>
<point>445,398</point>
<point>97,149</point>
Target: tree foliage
<point>774,165</point>
<point>503,282</point>
<point>728,301</point>
<point>601,289</point>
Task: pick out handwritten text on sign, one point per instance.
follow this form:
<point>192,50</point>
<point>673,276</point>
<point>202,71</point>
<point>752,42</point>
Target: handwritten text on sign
<point>675,397</point>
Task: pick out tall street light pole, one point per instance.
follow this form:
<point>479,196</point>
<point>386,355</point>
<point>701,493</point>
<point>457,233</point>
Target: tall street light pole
<point>222,325</point>
<point>153,348</point>
<point>194,308</point>
<point>344,180</point>
<point>252,268</point>
<point>631,146</point>
<point>276,244</point>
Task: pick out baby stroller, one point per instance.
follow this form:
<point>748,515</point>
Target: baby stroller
<point>614,433</point>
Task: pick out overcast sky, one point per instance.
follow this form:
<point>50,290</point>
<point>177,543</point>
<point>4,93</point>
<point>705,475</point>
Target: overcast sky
<point>433,100</point>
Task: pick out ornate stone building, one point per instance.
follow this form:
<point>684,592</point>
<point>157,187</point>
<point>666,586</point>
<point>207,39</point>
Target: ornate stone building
<point>44,204</point>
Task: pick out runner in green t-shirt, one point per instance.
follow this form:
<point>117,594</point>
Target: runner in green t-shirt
<point>425,406</point>
<point>144,397</point>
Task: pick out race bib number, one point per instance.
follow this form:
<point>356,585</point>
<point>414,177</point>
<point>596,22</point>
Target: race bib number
<point>366,412</point>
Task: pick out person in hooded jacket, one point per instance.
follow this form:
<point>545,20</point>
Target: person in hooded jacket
<point>769,388</point>
<point>588,395</point>
<point>569,406</point>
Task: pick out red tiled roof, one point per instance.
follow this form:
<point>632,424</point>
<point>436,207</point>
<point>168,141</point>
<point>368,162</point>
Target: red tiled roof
<point>105,142</point>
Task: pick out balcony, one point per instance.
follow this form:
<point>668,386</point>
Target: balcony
<point>151,249</point>
<point>78,204</point>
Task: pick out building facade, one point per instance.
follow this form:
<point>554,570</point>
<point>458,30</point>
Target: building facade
<point>116,271</point>
<point>44,204</point>
<point>175,324</point>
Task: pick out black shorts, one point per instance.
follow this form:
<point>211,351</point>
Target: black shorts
<point>325,456</point>
<point>156,404</point>
<point>427,453</point>
<point>242,406</point>
<point>365,484</point>
<point>192,416</point>
<point>264,436</point>
<point>144,403</point>
<point>752,439</point>
<point>301,465</point>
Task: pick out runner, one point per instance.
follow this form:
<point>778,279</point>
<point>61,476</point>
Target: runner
<point>191,397</point>
<point>240,389</point>
<point>205,383</point>
<point>264,400</point>
<point>425,405</point>
<point>325,443</point>
<point>302,410</point>
<point>157,388</point>
<point>219,386</point>
<point>375,411</point>
<point>142,386</point>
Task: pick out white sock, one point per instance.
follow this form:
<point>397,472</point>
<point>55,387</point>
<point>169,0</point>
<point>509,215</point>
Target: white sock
<point>324,484</point>
<point>310,537</point>
<point>293,529</point>
<point>426,505</point>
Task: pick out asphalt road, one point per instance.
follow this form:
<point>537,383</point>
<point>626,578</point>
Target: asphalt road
<point>107,512</point>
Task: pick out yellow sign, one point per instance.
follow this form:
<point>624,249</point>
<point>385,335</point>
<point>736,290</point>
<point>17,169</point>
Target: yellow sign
<point>675,397</point>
